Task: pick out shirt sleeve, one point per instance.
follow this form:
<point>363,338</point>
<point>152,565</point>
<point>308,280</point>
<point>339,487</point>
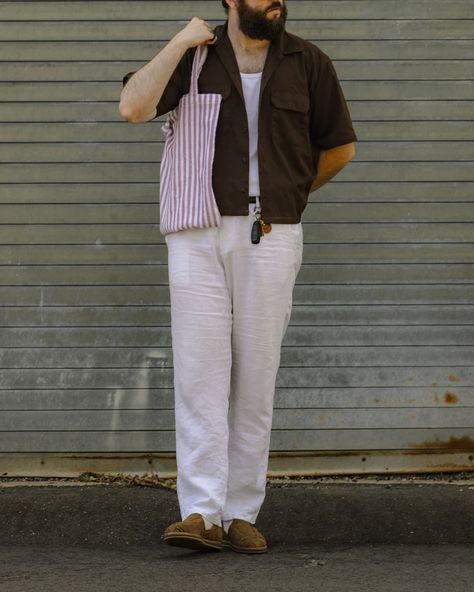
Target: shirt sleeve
<point>178,85</point>
<point>331,123</point>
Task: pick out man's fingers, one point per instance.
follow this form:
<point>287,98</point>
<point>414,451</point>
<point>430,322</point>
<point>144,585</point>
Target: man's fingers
<point>212,41</point>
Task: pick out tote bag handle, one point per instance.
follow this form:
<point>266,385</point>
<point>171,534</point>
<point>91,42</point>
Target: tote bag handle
<point>198,62</point>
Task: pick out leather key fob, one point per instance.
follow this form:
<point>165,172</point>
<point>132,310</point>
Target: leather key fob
<point>256,232</point>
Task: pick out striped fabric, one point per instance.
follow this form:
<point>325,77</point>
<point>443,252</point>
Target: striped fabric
<point>187,199</point>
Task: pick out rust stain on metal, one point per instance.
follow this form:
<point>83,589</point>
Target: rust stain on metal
<point>454,443</point>
<point>454,378</point>
<point>450,398</point>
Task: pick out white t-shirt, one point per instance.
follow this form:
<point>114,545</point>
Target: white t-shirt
<point>251,87</point>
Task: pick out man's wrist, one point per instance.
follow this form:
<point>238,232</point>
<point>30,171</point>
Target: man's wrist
<point>180,43</point>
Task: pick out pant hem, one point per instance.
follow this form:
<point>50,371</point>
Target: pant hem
<point>213,518</point>
<point>248,518</point>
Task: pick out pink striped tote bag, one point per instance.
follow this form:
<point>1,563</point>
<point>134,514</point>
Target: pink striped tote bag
<point>187,199</point>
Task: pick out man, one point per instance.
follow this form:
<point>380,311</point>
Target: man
<point>283,131</point>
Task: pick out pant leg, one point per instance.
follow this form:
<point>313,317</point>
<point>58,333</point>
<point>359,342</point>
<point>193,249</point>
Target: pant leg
<point>261,280</point>
<point>201,324</point>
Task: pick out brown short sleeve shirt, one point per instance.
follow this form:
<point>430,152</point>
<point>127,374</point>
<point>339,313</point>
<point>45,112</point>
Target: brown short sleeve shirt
<point>302,111</point>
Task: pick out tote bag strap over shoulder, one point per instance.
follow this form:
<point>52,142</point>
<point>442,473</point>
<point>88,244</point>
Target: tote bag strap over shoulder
<point>199,58</point>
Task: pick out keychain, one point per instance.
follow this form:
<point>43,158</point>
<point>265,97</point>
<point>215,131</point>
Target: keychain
<point>259,227</point>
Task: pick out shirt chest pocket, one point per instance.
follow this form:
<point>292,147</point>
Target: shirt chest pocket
<point>290,117</point>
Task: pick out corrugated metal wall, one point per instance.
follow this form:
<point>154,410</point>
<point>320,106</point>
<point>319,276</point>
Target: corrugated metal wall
<point>378,358</point>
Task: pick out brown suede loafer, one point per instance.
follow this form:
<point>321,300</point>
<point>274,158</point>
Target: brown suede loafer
<point>243,537</point>
<point>191,533</point>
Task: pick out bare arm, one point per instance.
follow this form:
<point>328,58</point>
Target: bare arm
<point>144,89</point>
<point>331,161</point>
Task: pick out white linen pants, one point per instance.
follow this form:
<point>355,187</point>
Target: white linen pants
<point>231,303</point>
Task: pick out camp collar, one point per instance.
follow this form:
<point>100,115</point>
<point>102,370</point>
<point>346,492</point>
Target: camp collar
<point>279,47</point>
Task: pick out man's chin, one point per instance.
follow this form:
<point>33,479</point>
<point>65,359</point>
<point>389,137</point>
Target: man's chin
<point>270,26</point>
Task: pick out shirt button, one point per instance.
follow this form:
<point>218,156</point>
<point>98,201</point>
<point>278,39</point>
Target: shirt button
<point>244,159</point>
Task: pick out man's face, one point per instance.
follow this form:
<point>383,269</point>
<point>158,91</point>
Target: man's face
<point>263,22</point>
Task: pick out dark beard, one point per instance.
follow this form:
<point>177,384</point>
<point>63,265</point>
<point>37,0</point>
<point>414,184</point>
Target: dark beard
<point>255,23</point>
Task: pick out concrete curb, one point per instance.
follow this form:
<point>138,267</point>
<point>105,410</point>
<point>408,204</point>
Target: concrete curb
<point>302,513</point>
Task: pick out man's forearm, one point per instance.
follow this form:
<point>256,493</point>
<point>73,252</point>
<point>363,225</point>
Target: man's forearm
<point>144,89</point>
<point>330,163</point>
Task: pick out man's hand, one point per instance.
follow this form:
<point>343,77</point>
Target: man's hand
<point>331,162</point>
<point>197,32</point>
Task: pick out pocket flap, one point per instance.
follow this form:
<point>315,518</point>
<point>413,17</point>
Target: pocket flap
<point>290,100</point>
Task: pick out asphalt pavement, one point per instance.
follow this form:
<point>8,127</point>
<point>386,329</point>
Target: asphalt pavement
<point>380,534</point>
<point>299,568</point>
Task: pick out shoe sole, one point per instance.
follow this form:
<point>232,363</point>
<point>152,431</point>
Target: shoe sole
<point>191,541</point>
<point>229,545</point>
